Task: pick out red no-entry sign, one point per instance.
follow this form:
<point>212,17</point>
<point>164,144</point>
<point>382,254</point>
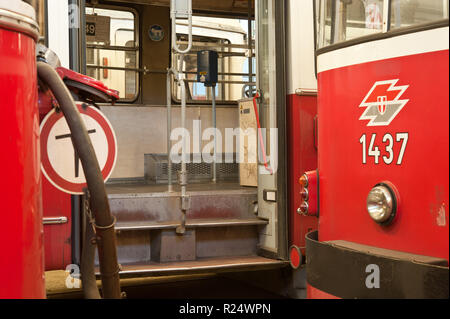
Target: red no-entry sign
<point>60,163</point>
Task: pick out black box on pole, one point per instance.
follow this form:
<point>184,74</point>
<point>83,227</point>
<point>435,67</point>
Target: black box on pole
<point>207,67</point>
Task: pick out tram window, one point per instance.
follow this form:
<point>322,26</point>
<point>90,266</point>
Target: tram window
<point>229,38</point>
<point>39,6</point>
<point>112,50</point>
<point>342,20</point>
<point>323,23</point>
<point>406,13</point>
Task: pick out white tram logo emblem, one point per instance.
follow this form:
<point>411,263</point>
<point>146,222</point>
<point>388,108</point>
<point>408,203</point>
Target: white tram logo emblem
<point>383,103</point>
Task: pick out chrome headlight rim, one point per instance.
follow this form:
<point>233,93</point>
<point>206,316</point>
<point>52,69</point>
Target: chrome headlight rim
<point>393,195</point>
<point>304,208</point>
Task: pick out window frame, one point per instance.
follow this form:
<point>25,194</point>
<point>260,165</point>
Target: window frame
<point>136,49</point>
<point>219,103</point>
<point>387,31</point>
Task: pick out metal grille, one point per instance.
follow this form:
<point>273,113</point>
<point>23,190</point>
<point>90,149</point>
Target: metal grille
<point>156,170</point>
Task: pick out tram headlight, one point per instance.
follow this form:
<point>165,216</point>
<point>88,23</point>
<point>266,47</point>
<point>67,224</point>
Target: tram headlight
<point>381,204</point>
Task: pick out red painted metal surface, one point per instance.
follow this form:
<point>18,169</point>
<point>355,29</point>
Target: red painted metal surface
<point>313,293</point>
<point>57,237</point>
<point>84,79</point>
<point>421,178</point>
<point>302,157</point>
<point>46,102</point>
<point>21,237</point>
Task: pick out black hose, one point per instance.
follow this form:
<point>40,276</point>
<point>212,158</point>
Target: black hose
<point>87,269</point>
<point>104,221</point>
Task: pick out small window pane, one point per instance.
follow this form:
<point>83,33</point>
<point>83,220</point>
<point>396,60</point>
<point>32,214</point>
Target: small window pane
<point>406,13</point>
<point>229,38</point>
<point>354,19</point>
<point>323,20</point>
<point>115,29</point>
<point>343,20</point>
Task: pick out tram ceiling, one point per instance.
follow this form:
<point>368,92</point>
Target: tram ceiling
<point>239,7</point>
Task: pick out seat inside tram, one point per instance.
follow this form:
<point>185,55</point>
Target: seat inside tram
<point>128,46</point>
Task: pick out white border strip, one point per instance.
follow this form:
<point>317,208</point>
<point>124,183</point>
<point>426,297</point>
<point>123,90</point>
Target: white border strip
<point>397,46</point>
<point>58,30</point>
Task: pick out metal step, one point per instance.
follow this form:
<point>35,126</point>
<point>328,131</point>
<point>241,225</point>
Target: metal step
<point>219,224</point>
<point>202,265</point>
<point>137,246</point>
<point>192,223</point>
<point>144,203</point>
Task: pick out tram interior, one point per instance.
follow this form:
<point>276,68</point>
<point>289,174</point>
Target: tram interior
<point>131,53</point>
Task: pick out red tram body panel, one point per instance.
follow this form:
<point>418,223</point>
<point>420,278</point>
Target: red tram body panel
<point>302,156</point>
<point>57,237</point>
<point>301,120</point>
<point>421,176</point>
<point>383,109</point>
<point>21,259</point>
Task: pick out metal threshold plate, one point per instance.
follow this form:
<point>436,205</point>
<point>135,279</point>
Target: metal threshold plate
<point>204,265</point>
<point>136,190</point>
<point>190,223</point>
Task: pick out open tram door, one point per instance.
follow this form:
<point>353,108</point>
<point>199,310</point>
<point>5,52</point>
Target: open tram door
<point>272,186</point>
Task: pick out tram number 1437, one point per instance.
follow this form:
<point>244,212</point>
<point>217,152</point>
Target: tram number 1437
<point>388,141</point>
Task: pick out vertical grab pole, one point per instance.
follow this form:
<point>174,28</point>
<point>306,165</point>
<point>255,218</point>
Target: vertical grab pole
<point>213,91</point>
<point>183,179</point>
<point>182,9</point>
<point>183,174</point>
<point>169,128</point>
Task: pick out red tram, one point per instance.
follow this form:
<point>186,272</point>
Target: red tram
<point>383,173</point>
